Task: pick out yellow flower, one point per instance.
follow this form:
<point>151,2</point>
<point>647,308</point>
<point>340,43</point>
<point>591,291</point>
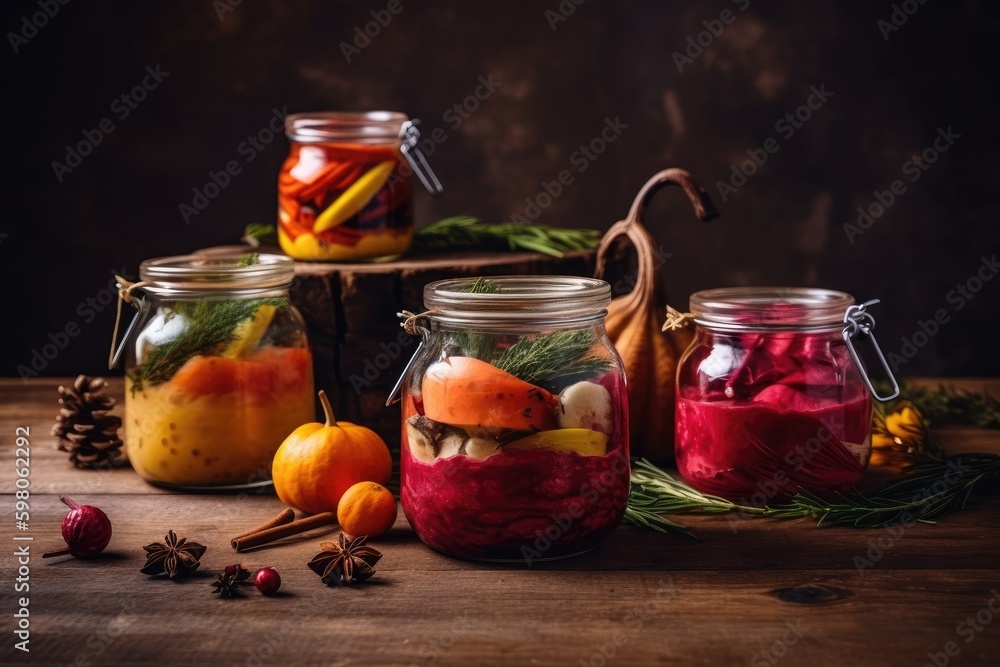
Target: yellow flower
<point>906,427</point>
<point>882,440</point>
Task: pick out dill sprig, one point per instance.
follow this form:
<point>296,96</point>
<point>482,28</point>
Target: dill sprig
<point>210,324</point>
<point>468,232</point>
<point>483,286</point>
<point>259,234</point>
<point>537,360</point>
<point>546,357</point>
<point>924,492</point>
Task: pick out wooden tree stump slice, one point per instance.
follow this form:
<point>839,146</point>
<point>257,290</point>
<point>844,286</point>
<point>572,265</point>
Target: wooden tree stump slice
<point>359,348</point>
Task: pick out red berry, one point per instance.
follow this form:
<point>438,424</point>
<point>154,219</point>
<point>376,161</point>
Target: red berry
<point>267,580</point>
<point>86,529</point>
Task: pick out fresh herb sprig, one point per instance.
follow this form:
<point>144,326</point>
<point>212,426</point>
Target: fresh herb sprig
<point>465,232</point>
<point>946,404</point>
<point>210,324</point>
<point>469,232</point>
<point>924,492</point>
<point>544,358</point>
<point>537,360</point>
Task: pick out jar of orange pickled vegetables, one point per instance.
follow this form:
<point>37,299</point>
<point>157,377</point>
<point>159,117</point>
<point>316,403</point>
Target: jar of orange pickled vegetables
<point>218,369</point>
<point>345,191</point>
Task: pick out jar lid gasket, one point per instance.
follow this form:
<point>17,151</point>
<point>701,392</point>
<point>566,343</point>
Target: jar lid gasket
<point>360,126</point>
<point>744,308</point>
<point>193,274</point>
<point>517,299</point>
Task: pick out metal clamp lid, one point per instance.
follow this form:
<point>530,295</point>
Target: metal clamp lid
<point>409,135</point>
<point>859,321</point>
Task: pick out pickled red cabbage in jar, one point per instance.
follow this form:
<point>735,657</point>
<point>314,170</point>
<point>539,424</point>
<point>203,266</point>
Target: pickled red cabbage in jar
<point>769,399</point>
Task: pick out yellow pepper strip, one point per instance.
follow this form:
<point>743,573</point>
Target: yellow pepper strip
<point>580,440</point>
<point>354,198</point>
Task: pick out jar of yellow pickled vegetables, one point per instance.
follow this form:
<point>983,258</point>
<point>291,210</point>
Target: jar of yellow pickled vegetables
<point>218,369</point>
<point>345,191</point>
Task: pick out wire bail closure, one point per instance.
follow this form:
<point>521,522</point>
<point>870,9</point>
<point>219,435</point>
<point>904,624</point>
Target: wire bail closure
<point>125,289</point>
<point>413,324</point>
<point>858,320</point>
<point>410,136</point>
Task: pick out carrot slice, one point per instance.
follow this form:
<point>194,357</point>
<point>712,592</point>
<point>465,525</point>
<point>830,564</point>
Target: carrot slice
<point>463,391</point>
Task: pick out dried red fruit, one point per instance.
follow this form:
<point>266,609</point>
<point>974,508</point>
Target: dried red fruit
<point>86,529</point>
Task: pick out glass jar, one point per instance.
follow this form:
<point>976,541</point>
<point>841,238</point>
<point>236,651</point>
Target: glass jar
<point>218,370</point>
<point>515,419</point>
<point>344,192</point>
<point>769,397</point>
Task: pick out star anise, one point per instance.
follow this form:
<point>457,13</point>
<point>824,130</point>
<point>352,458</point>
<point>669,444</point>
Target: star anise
<point>228,583</point>
<point>172,557</point>
<point>345,561</point>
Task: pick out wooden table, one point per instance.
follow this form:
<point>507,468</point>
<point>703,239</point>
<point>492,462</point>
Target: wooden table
<point>757,592</point>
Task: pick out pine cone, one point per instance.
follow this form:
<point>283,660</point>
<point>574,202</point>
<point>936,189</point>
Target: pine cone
<point>84,427</point>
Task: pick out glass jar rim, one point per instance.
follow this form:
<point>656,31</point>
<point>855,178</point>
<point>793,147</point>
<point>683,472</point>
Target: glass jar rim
<point>518,299</point>
<point>215,273</point>
<point>773,308</point>
<point>362,126</point>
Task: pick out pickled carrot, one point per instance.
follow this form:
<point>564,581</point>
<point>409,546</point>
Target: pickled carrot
<point>259,376</point>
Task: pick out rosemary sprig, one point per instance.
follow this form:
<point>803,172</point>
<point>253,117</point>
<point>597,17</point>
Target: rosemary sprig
<point>472,233</point>
<point>924,492</point>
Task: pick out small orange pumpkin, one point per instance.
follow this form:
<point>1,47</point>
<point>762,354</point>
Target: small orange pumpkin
<point>317,463</point>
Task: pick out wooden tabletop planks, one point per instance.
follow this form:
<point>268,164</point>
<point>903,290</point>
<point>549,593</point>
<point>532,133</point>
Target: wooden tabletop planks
<point>750,592</point>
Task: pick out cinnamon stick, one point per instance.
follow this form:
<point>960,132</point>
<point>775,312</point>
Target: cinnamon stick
<point>286,530</point>
<point>285,516</point>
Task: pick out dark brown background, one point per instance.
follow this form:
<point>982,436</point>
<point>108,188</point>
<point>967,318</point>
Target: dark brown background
<point>557,87</point>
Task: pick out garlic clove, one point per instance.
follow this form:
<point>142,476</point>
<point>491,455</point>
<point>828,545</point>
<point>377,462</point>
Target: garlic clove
<point>422,447</point>
<point>480,448</point>
<point>585,405</point>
